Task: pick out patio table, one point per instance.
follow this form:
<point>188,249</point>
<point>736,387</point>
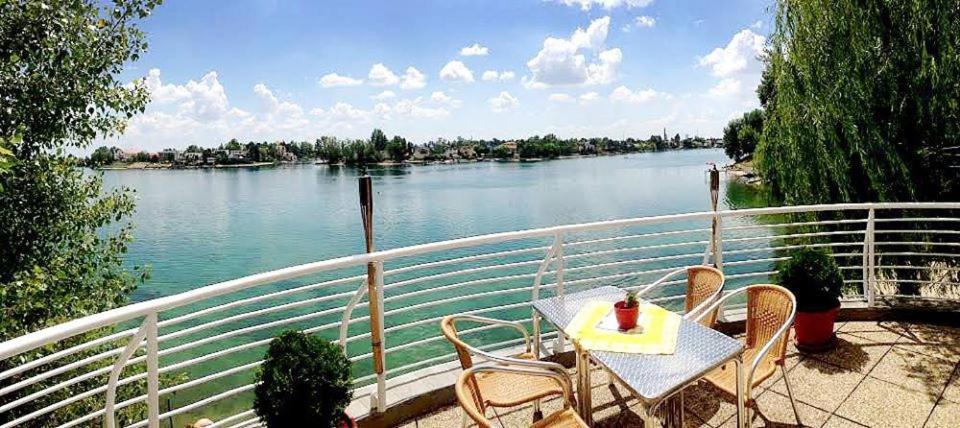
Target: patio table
<point>652,378</point>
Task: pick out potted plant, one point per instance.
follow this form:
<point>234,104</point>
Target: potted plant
<point>304,381</point>
<point>814,278</point>
<point>627,311</point>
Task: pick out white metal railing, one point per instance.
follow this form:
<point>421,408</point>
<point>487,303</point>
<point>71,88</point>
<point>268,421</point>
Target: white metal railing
<point>196,352</point>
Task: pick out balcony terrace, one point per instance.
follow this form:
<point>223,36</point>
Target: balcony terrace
<point>193,355</point>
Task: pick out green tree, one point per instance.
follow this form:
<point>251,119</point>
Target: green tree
<point>379,140</point>
<point>233,144</point>
<point>741,135</point>
<point>101,156</point>
<point>865,100</point>
<point>397,148</point>
<point>63,237</point>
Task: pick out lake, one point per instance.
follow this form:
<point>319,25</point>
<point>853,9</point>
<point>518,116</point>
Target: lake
<point>201,226</point>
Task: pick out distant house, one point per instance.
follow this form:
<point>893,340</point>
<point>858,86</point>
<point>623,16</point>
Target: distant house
<point>170,155</point>
<point>511,147</point>
<point>121,155</point>
<point>192,158</point>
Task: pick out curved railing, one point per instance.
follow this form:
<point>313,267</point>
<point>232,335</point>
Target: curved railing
<point>194,354</point>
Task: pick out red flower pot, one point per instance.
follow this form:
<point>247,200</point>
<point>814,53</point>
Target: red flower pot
<point>815,330</point>
<point>626,317</point>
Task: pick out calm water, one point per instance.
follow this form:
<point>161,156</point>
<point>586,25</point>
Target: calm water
<point>197,227</point>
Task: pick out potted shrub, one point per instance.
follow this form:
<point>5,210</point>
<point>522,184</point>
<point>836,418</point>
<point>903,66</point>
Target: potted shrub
<point>627,311</point>
<point>304,381</point>
<point>814,278</point>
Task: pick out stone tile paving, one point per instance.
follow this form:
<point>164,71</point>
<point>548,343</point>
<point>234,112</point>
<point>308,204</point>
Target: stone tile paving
<point>882,374</point>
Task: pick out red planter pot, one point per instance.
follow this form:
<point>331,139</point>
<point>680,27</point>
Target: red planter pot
<point>814,330</point>
<point>626,317</point>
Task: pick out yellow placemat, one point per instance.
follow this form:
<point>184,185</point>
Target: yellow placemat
<point>658,335</point>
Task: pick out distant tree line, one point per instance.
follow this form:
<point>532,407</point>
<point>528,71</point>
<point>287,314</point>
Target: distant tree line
<point>379,148</point>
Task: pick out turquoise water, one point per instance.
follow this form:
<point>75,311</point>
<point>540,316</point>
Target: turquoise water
<point>198,227</point>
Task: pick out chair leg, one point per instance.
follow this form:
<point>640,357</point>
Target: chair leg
<point>793,402</point>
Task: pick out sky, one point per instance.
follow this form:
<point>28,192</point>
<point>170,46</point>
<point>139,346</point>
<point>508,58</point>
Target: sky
<point>268,70</point>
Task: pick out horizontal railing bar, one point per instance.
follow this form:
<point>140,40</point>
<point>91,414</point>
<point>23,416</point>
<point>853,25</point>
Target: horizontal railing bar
<point>795,224</point>
<point>459,272</point>
<point>66,352</point>
<point>936,244</point>
<point>229,419</point>
<point>792,247</point>
<point>794,235</point>
<point>909,219</point>
<point>463,259</point>
<point>201,403</point>
<point>630,262</point>
<point>251,314</point>
<point>457,285</point>
<point>454,299</point>
<point>918,231</point>
<point>637,236</point>
<point>915,253</point>
<point>632,249</point>
<point>461,333</point>
<point>255,299</point>
<point>919,281</point>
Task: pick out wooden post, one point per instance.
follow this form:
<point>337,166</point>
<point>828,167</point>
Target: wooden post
<point>374,291</point>
<point>714,198</point>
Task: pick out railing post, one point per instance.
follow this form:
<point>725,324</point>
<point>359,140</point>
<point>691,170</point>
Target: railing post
<point>558,342</point>
<point>374,297</point>
<point>153,372</point>
<point>869,260</point>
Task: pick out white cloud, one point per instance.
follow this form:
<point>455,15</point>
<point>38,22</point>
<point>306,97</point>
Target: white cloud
<point>564,61</point>
<point>333,80</point>
<point>475,50</point>
<point>456,71</point>
<point>503,102</point>
<point>385,95</point>
<point>493,75</point>
<point>560,97</point>
<point>606,4</point>
<point>644,21</point>
<point>440,97</point>
<point>726,88</point>
<point>625,95</point>
<point>758,25</point>
<point>380,75</point>
<point>589,98</point>
<point>414,109</point>
<point>740,54</point>
<point>413,79</point>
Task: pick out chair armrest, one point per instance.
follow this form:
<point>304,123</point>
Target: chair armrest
<point>511,361</point>
<point>660,281</point>
<point>492,321</point>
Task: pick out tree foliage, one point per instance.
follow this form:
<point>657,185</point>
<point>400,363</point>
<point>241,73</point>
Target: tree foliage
<point>862,101</point>
<point>62,237</point>
<point>741,135</point>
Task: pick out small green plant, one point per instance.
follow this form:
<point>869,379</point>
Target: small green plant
<point>304,381</point>
<point>814,278</point>
<point>631,300</point>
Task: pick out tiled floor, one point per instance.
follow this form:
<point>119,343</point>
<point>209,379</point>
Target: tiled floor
<point>882,374</point>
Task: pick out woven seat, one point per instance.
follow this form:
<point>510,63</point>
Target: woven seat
<point>770,313</point>
<point>472,382</point>
<point>503,388</point>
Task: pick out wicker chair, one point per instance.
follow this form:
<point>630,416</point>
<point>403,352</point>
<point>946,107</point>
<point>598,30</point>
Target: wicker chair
<point>468,394</point>
<point>704,285</point>
<point>770,313</point>
<point>504,388</point>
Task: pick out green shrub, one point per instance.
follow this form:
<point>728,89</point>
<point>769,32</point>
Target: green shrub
<point>814,277</point>
<point>304,381</point>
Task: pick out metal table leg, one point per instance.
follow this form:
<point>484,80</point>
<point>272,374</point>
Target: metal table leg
<point>742,417</point>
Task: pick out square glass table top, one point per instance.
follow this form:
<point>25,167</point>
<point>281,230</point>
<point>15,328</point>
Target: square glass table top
<point>652,377</point>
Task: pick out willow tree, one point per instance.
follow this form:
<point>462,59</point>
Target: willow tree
<point>865,101</point>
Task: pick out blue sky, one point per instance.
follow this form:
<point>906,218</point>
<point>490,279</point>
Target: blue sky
<point>269,70</point>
